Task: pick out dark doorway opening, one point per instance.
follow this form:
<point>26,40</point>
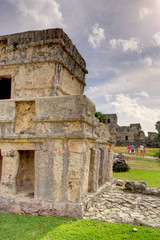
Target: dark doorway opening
<point>109,121</point>
<point>26,173</point>
<point>126,138</point>
<point>5,88</point>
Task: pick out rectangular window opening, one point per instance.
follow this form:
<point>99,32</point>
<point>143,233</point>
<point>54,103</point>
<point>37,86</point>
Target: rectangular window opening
<point>5,88</point>
<point>26,173</point>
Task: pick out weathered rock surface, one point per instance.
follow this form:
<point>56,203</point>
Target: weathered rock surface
<point>141,187</point>
<point>120,182</point>
<point>123,207</point>
<point>119,164</point>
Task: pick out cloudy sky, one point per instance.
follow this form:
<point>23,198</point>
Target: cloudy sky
<point>120,41</point>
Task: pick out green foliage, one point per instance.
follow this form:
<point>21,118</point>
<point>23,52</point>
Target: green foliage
<point>15,44</point>
<point>157,137</point>
<point>18,227</point>
<point>157,126</point>
<point>101,117</point>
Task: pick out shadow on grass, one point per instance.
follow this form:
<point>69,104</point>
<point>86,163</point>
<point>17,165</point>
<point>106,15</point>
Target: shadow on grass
<point>19,227</point>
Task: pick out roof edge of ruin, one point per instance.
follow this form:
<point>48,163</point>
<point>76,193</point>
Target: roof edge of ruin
<point>36,37</point>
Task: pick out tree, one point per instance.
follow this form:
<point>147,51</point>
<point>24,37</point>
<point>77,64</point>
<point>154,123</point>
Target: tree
<point>157,126</point>
<point>101,117</point>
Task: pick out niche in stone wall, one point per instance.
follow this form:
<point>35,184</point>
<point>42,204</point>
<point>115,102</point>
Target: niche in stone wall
<point>25,112</point>
<point>26,173</point>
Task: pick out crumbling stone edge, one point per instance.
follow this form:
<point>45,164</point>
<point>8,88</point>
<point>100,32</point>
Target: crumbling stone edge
<point>141,187</point>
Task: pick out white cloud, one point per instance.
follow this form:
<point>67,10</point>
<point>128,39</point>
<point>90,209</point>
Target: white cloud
<point>131,45</point>
<point>93,89</point>
<point>147,61</point>
<point>143,12</point>
<point>129,106</point>
<point>142,94</point>
<point>97,36</point>
<point>108,97</point>
<point>156,39</point>
<point>45,13</point>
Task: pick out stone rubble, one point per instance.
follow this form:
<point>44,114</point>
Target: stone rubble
<point>119,163</point>
<point>122,207</point>
<point>141,187</point>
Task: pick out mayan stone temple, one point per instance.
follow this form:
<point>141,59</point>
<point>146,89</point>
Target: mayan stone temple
<point>54,153</point>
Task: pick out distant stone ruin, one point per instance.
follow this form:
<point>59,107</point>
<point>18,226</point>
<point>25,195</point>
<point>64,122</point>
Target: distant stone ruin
<point>132,134</point>
<point>53,151</point>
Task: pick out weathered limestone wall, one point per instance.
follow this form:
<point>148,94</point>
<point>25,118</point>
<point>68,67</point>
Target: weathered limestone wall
<point>43,63</point>
<point>47,139</point>
<point>63,134</point>
<point>0,166</point>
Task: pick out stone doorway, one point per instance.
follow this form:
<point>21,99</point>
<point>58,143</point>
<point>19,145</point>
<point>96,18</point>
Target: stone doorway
<point>5,88</point>
<point>26,173</point>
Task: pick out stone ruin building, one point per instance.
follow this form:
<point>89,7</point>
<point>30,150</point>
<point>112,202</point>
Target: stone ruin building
<point>132,134</point>
<point>53,151</point>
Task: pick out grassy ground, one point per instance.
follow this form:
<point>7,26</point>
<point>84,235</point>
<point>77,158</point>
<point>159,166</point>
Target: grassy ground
<point>152,152</point>
<point>19,227</point>
<point>142,168</point>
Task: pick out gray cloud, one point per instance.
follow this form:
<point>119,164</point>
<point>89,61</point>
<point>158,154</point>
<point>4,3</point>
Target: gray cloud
<point>96,37</point>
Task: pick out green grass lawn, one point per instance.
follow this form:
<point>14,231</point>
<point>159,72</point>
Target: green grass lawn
<point>19,227</point>
<point>152,178</point>
<point>142,168</point>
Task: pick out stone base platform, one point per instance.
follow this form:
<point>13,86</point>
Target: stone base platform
<point>27,205</point>
<point>122,207</point>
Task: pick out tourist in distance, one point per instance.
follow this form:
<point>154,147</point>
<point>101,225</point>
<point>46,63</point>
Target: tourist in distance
<point>136,150</point>
<point>132,149</point>
<point>142,150</point>
<point>128,149</point>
